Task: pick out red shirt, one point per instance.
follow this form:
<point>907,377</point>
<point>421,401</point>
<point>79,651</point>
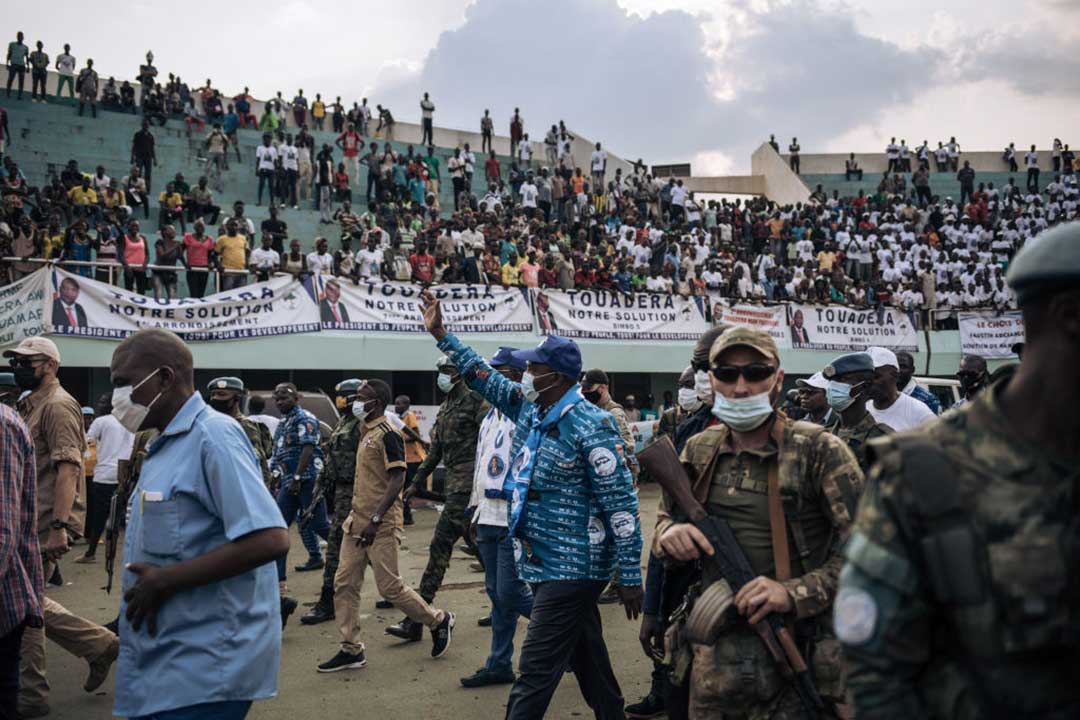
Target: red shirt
<point>491,168</point>
<point>423,266</point>
<point>351,142</point>
<point>548,278</point>
<point>198,251</point>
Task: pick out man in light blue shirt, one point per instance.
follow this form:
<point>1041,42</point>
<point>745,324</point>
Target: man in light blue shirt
<point>200,622</point>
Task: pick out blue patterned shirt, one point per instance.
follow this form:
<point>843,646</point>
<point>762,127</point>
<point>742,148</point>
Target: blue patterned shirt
<point>297,429</point>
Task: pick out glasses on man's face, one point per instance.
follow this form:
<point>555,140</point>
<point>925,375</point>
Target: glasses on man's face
<point>967,375</point>
<point>754,372</point>
<point>25,361</point>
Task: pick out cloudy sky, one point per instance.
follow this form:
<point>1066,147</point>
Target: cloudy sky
<point>667,80</point>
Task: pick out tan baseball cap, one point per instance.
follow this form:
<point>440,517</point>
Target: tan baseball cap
<point>35,346</point>
<point>745,337</point>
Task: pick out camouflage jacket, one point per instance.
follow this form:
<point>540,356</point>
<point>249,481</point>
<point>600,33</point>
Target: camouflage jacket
<point>859,434</point>
<point>820,483</point>
<point>340,467</point>
<point>960,596</point>
<point>625,432</point>
<point>457,427</point>
<point>261,442</point>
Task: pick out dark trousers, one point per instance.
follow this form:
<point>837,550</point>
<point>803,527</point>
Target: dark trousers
<point>37,81</point>
<point>266,177</point>
<point>565,630</point>
<point>459,187</point>
<point>97,512</point>
<point>965,193</point>
<point>10,651</point>
<point>197,210</point>
<point>795,164</point>
<point>427,133</point>
<point>857,173</point>
<point>372,184</point>
<point>16,71</point>
<point>1033,180</point>
<point>450,527</point>
<point>146,166</point>
<point>135,279</point>
<point>196,282</point>
<point>922,193</point>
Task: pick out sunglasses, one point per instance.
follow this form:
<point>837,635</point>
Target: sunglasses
<point>754,372</point>
<point>25,361</point>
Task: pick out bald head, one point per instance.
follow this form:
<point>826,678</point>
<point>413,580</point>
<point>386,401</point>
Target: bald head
<point>149,349</point>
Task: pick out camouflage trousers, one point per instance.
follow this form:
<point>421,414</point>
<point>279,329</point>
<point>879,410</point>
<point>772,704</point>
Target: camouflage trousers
<point>450,528</point>
<point>342,506</point>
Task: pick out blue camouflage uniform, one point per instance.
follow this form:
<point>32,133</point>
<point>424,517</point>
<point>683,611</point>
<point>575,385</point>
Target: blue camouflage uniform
<point>582,517</point>
<point>297,429</point>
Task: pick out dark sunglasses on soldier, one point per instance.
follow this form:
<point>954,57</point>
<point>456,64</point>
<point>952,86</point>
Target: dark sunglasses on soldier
<point>754,372</point>
<point>25,360</point>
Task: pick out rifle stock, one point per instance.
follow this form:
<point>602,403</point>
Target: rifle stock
<point>662,464</point>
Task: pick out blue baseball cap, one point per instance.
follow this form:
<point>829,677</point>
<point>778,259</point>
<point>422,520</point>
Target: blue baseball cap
<point>558,353</point>
<point>505,358</point>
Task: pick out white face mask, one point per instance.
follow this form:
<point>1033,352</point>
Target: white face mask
<point>444,382</point>
<point>528,385</point>
<point>358,409</point>
<point>689,400</point>
<point>703,386</point>
<point>129,413</point>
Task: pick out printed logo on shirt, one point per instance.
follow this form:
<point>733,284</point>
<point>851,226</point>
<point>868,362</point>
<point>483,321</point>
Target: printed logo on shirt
<point>496,466</point>
<point>597,533</point>
<point>500,438</point>
<point>603,461</point>
<point>522,460</point>
<point>622,524</point>
<point>482,374</point>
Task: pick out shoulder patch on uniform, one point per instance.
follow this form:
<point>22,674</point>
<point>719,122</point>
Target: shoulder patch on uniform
<point>602,461</point>
<point>623,524</point>
<point>855,616</point>
<point>482,374</point>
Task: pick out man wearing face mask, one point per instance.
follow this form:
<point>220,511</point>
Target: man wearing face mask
<point>594,387</point>
<point>778,483</point>
<point>336,481</point>
<point>886,403</point>
<point>973,377</point>
<point>573,513</point>
<point>225,396</point>
<point>55,422</point>
<point>687,402</point>
<point>906,383</point>
<point>199,615</point>
<point>457,427</point>
<point>295,464</point>
<point>849,378</point>
<point>372,532</point>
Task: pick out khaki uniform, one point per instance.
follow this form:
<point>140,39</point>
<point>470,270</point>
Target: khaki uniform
<point>959,598</point>
<point>818,483</point>
<point>457,428</point>
<point>859,435</point>
<point>380,452</point>
<point>56,426</point>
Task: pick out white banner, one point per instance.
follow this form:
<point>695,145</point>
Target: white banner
<point>22,308</point>
<point>599,314</point>
<point>771,319</point>
<point>990,335</point>
<point>643,433</point>
<point>839,328</point>
<point>87,308</point>
<point>395,307</point>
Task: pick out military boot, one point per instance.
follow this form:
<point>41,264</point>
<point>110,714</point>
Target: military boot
<point>406,630</point>
<point>322,611</point>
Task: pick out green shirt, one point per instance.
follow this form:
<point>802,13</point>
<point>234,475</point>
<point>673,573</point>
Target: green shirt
<point>432,163</point>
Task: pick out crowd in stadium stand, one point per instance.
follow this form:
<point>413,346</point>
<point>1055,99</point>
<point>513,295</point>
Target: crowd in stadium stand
<point>536,222</point>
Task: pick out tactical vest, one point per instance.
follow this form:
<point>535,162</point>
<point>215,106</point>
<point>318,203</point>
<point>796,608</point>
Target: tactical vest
<point>341,454</point>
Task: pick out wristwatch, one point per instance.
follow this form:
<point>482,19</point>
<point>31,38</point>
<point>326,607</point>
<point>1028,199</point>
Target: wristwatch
<point>376,519</point>
<point>59,525</point>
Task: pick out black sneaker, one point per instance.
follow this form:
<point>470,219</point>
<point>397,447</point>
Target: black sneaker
<point>288,607</point>
<point>313,563</point>
<point>383,604</point>
<point>650,706</point>
<point>483,677</point>
<point>468,550</point>
<point>343,661</point>
<point>406,630</point>
<point>484,621</point>
<point>441,635</point>
<point>320,613</point>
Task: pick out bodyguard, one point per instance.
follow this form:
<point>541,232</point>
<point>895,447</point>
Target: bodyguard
<point>848,379</point>
<point>573,512</point>
<point>225,396</point>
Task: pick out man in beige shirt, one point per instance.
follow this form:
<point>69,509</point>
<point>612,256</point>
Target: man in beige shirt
<point>56,426</point>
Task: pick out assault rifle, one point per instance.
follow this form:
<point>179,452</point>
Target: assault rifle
<point>113,525</point>
<point>662,463</point>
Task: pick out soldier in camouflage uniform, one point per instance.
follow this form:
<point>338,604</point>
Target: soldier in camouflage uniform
<point>226,394</point>
<point>336,481</point>
<point>457,427</point>
<point>849,379</point>
<point>769,477</point>
<point>594,386</point>
<point>960,597</point>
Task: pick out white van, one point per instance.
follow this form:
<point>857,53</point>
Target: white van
<point>947,390</point>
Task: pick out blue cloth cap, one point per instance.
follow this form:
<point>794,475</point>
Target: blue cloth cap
<point>505,357</point>
<point>852,362</point>
<point>558,353</point>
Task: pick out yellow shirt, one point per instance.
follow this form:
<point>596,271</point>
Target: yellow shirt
<point>90,458</point>
<point>825,260</point>
<point>232,249</point>
<point>318,109</point>
<point>82,197</point>
<point>171,201</point>
<point>414,450</point>
<point>510,274</point>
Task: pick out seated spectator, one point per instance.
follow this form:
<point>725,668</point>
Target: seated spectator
<point>852,169</point>
<point>171,207</point>
<point>200,203</point>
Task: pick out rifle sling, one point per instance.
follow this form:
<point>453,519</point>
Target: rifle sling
<point>777,521</point>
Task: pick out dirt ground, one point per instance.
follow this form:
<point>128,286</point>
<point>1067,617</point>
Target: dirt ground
<point>400,680</point>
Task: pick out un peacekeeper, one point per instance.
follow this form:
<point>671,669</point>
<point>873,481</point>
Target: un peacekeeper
<point>225,396</point>
<point>959,598</point>
<point>769,477</point>
<point>336,481</point>
<point>849,379</point>
<point>457,427</point>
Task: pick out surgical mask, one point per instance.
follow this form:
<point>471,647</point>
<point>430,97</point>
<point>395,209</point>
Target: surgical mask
<point>838,395</point>
<point>702,385</point>
<point>359,409</point>
<point>743,414</point>
<point>130,413</point>
<point>444,382</point>
<point>689,400</point>
<point>26,378</point>
<point>528,385</point>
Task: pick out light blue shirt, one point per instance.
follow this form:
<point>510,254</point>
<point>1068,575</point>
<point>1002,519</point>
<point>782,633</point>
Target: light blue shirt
<point>200,487</point>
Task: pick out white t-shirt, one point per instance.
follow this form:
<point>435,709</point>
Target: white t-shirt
<point>904,414</point>
<point>265,259</point>
<point>525,152</point>
<point>113,444</point>
<point>599,157</point>
<point>1031,160</point>
<point>320,263</point>
<point>528,195</point>
<point>679,194</point>
<point>368,261</point>
<point>289,157</point>
<point>266,156</point>
<point>66,64</point>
